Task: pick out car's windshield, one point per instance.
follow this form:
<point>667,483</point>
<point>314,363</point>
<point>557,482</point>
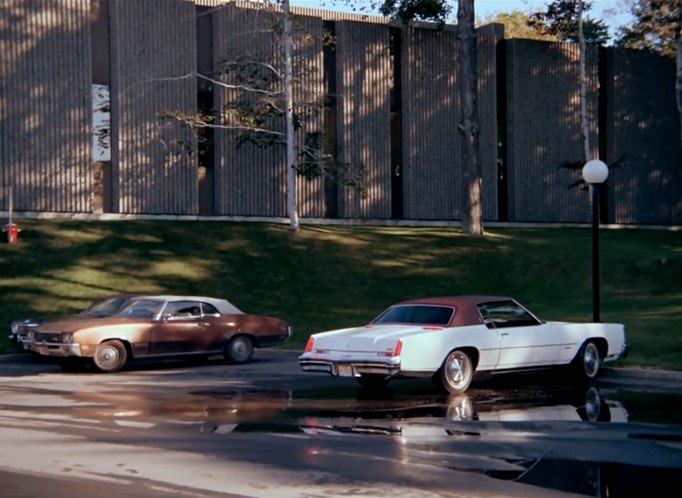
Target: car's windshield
<point>142,308</point>
<point>420,314</point>
<point>105,307</point>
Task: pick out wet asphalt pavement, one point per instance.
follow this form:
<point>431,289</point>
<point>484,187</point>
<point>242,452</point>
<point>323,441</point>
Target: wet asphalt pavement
<point>267,429</point>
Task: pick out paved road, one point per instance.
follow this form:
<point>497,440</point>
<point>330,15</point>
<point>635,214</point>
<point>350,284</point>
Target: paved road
<point>266,429</point>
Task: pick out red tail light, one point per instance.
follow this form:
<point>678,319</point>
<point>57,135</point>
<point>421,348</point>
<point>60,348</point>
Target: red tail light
<point>398,348</point>
<point>309,346</point>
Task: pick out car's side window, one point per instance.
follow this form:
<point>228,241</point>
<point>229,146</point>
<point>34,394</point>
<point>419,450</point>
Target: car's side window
<point>501,314</point>
<point>182,310</point>
<point>209,309</point>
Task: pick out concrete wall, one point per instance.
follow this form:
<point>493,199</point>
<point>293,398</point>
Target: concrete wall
<point>153,60</point>
<point>45,105</point>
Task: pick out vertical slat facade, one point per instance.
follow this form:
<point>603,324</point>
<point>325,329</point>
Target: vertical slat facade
<point>308,96</point>
<point>364,78</point>
<point>250,180</point>
<point>46,72</point>
<point>432,142</point>
<point>153,63</point>
<point>543,130</point>
<point>643,130</point>
<point>45,105</point>
<point>431,169</point>
<point>488,38</point>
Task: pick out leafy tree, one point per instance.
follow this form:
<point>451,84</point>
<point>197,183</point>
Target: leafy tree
<point>656,27</point>
<point>561,19</point>
<point>411,10</point>
<point>517,25</point>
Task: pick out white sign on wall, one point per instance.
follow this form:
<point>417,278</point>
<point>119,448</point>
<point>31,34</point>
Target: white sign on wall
<point>101,123</point>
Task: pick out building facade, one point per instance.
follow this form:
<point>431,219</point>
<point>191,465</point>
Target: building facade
<point>86,87</point>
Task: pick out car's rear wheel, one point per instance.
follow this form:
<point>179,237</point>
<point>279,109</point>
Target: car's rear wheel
<point>587,362</point>
<point>370,381</point>
<point>456,373</point>
<point>239,349</point>
<point>110,356</point>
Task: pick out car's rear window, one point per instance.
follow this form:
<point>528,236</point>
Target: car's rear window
<point>420,314</point>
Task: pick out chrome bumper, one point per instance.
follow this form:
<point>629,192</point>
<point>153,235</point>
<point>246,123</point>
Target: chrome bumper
<point>350,368</point>
<point>52,349</point>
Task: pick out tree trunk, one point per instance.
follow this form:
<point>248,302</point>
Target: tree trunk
<point>469,125</point>
<point>289,118</point>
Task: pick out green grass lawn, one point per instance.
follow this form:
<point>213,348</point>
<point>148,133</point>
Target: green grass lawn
<point>327,277</point>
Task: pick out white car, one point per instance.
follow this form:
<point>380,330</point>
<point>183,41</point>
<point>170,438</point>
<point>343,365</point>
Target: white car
<point>451,338</point>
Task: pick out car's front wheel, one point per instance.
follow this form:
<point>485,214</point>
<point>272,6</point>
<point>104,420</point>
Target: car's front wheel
<point>587,362</point>
<point>456,373</point>
<point>370,381</point>
<point>239,349</point>
<point>110,356</point>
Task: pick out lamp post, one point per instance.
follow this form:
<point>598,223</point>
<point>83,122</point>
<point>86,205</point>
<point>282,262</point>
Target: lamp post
<point>595,172</point>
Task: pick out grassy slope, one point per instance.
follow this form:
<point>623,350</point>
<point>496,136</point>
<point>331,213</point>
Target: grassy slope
<point>328,277</point>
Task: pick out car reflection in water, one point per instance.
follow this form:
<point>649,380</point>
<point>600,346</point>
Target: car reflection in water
<point>206,411</point>
<point>403,419</point>
<point>418,432</point>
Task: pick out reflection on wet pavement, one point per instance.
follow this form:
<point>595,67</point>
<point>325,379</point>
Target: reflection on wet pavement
<point>587,440</point>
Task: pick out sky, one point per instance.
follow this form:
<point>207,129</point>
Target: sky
<point>613,12</point>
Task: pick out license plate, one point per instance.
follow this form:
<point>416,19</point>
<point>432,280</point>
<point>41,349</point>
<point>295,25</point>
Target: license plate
<point>345,371</point>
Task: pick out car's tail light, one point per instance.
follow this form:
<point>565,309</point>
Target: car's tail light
<point>398,348</point>
<point>309,346</point>
<point>431,327</point>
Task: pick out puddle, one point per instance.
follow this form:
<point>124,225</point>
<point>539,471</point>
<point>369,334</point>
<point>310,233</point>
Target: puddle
<point>594,478</point>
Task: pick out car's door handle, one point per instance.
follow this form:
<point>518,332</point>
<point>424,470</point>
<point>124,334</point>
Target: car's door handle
<point>504,333</point>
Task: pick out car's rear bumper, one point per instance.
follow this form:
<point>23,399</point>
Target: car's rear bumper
<point>349,367</point>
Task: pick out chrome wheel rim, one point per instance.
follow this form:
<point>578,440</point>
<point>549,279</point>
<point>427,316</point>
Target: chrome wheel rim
<point>592,404</point>
<point>460,408</point>
<point>108,357</point>
<point>458,369</point>
<point>240,350</point>
<point>591,360</point>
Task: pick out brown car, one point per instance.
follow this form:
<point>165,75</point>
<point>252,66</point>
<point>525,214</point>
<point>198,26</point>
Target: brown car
<point>157,326</point>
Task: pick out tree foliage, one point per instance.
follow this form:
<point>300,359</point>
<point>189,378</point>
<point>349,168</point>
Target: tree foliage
<point>517,25</point>
<point>561,19</point>
<point>412,10</point>
<point>656,26</point>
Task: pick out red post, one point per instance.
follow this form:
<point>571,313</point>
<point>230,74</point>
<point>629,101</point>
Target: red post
<point>11,232</point>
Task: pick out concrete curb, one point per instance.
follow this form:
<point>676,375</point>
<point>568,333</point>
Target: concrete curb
<point>641,373</point>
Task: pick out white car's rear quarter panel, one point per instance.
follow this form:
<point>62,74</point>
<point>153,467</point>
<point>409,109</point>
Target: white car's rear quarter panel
<point>426,351</point>
<point>575,335</point>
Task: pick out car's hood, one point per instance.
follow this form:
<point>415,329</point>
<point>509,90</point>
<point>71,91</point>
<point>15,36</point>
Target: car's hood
<point>72,324</point>
<point>33,322</point>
